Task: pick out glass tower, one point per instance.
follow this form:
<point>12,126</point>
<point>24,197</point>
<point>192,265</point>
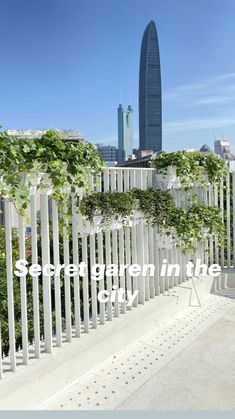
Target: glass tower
<point>150,92</point>
<point>125,133</point>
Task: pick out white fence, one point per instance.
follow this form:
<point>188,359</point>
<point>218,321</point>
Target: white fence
<point>56,310</point>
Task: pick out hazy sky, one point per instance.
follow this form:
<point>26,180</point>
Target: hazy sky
<point>69,63</point>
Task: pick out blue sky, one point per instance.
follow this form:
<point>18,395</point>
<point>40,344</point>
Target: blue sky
<point>68,64</point>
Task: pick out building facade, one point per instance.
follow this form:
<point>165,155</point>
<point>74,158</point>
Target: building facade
<point>150,92</point>
<point>138,153</point>
<point>223,149</point>
<point>108,153</point>
<point>125,133</point>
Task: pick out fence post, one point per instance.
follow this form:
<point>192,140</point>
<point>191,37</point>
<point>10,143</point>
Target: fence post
<point>36,318</point>
<point>23,294</point>
<point>228,219</point>
<point>10,296</point>
<point>46,280</point>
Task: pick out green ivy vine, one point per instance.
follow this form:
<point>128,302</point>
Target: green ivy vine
<point>192,166</point>
<point>187,226</point>
<point>43,162</point>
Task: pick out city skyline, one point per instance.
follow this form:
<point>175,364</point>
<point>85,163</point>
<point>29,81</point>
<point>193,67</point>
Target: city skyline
<point>48,78</point>
<point>150,91</point>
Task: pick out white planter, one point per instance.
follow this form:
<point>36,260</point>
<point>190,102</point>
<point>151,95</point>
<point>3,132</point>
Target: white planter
<point>168,179</point>
<point>116,225</point>
<point>97,220</point>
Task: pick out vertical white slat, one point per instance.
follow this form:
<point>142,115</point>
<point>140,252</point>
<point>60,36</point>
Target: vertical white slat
<point>156,263</point>
<point>150,249</point>
<point>128,258</point>
<point>211,240</point>
<point>126,232</point>
<point>183,267</point>
<point>134,260</point>
<point>175,261</point>
<point>146,260</point>
<point>93,283</point>
<point>99,182</point>
<point>56,261</point>
<point>76,281</point>
<point>121,262</point>
<point>67,286</point>
<point>228,220</point>
<point>139,178</point>
<point>216,241</point>
<point>140,258</point>
<point>90,181</point>
<point>115,245</point>
<point>113,178</point>
<point>120,180</point>
<point>85,289</point>
<point>178,279</point>
<point>172,260</point>
<point>23,294</point>
<point>132,179</point>
<point>34,249</point>
<point>120,176</point>
<point>140,243</point>
<point>115,262</point>
<point>108,279</point>
<point>221,203</point>
<point>126,179</point>
<point>10,296</point>
<point>106,181</point>
<point>205,197</point>
<point>46,280</point>
<point>178,257</point>
<point>233,212</point>
<point>161,278</point>
<point>108,252</point>
<point>166,256</point>
<point>144,178</point>
<point>149,179</point>
<point>101,282</point>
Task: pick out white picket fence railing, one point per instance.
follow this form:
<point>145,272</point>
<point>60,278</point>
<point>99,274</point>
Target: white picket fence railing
<point>63,308</point>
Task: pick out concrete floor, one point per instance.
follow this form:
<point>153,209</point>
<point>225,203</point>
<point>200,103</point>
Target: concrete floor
<point>201,377</point>
<point>188,363</point>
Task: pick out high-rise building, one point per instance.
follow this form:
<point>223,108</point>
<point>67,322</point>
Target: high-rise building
<point>150,92</point>
<point>223,149</point>
<point>108,153</point>
<point>125,133</point>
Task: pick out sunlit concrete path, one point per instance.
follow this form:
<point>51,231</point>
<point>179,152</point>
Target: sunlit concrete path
<point>188,363</point>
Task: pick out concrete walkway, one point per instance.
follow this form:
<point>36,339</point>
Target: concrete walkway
<point>188,363</point>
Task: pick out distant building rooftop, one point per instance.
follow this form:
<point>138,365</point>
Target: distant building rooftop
<point>141,162</point>
<point>206,149</point>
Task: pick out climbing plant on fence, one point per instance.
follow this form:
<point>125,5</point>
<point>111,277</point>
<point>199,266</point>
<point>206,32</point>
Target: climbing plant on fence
<point>192,166</point>
<point>43,162</point>
<point>46,162</point>
<point>188,226</point>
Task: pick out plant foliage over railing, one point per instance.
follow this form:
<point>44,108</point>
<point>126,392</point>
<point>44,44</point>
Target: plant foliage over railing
<point>42,162</point>
<point>192,166</point>
<point>187,226</point>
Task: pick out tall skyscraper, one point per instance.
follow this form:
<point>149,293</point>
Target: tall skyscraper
<point>150,92</point>
<point>125,133</point>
